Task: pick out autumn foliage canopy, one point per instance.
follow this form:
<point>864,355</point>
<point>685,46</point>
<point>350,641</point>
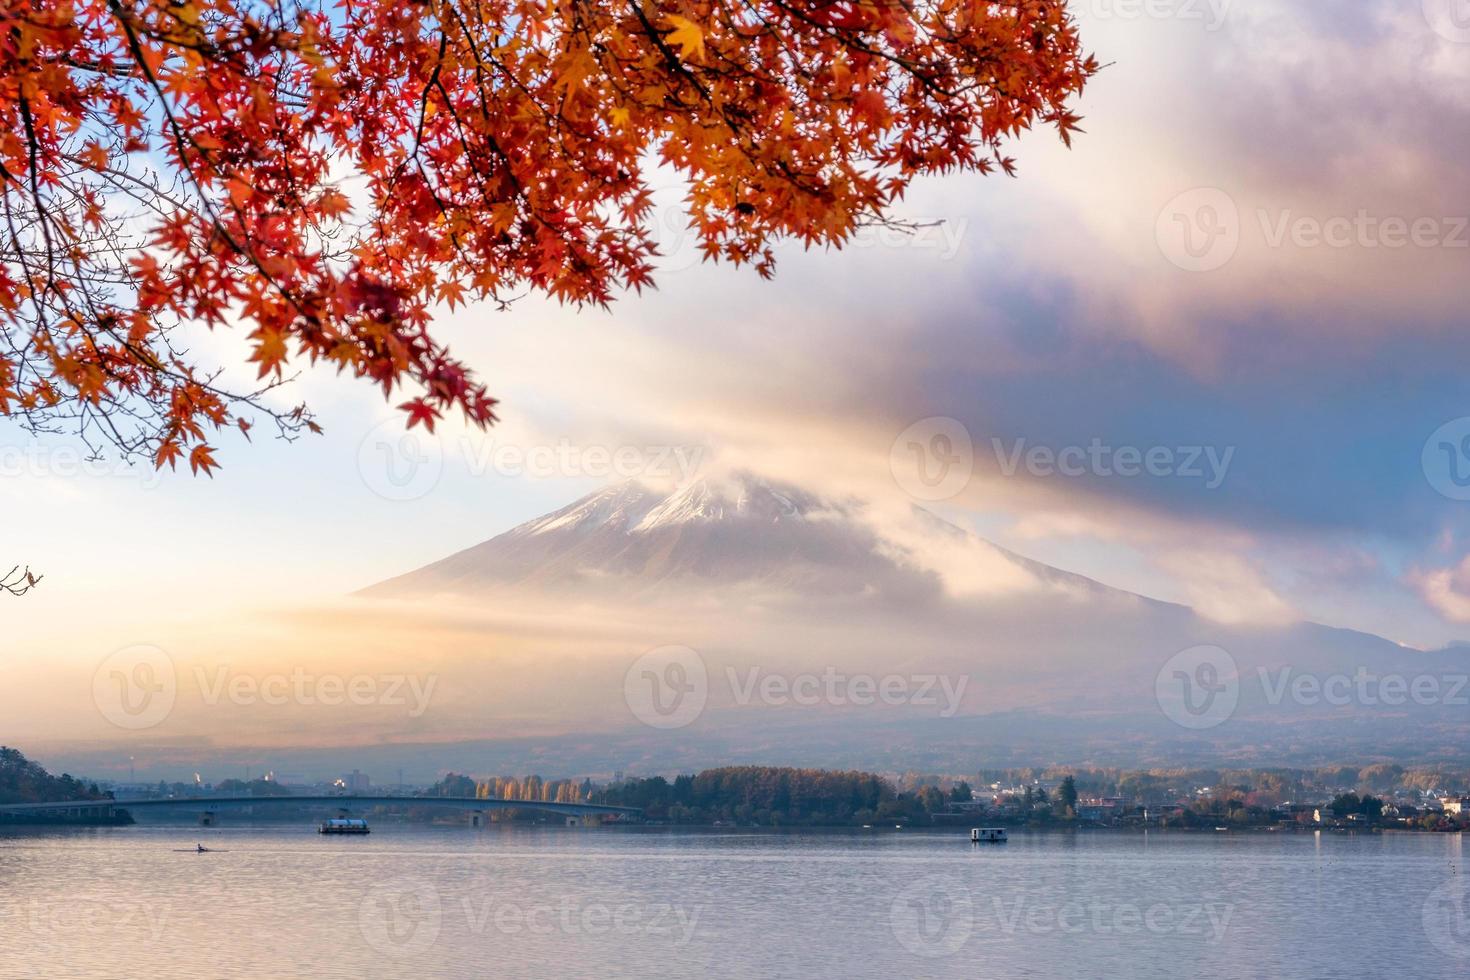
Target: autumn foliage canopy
<point>321,175</point>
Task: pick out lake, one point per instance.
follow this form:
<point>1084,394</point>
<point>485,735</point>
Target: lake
<point>412,902</point>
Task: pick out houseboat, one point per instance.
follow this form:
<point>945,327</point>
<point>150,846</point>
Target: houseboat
<point>344,825</point>
<point>988,835</point>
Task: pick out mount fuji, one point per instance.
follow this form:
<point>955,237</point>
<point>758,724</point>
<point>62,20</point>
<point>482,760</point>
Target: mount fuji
<point>741,532</point>
<point>763,576</point>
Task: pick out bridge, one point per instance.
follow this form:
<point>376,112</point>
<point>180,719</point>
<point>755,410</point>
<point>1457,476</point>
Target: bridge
<point>108,811</point>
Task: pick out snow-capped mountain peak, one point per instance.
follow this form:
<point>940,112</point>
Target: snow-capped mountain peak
<point>619,505</point>
<point>740,497</point>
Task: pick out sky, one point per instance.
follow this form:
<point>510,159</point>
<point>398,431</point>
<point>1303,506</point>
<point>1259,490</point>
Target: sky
<point>1212,354</point>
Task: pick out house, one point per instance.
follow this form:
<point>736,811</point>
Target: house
<point>1455,805</point>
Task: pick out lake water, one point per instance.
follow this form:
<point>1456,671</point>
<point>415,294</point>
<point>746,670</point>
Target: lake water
<point>602,903</point>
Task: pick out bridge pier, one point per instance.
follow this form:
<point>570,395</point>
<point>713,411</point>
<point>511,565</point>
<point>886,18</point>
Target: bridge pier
<point>477,818</point>
<point>207,818</point>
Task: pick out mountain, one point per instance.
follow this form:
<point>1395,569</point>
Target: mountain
<point>740,531</point>
<point>772,583</point>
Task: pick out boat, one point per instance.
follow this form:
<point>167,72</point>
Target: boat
<point>988,835</point>
<point>344,825</point>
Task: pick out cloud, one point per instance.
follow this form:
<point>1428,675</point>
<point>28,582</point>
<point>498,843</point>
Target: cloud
<point>1447,590</point>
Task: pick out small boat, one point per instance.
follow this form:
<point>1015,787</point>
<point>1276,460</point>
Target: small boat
<point>988,835</point>
<point>344,825</point>
<point>198,849</point>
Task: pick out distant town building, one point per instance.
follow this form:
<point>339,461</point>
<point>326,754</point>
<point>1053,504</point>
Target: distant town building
<point>1455,805</point>
<point>355,782</point>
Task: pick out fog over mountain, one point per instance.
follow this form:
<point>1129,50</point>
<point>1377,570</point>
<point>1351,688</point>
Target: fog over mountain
<point>766,580</point>
<point>741,620</point>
